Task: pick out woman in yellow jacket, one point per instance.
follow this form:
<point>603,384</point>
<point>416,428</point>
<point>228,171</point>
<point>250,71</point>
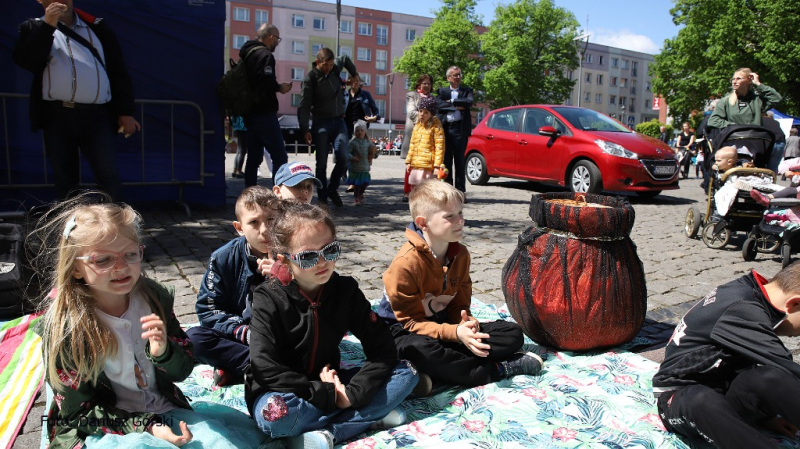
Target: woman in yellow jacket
<point>426,150</point>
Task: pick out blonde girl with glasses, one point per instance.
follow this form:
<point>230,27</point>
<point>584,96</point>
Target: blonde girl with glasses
<point>296,388</point>
<point>113,348</point>
<point>746,103</point>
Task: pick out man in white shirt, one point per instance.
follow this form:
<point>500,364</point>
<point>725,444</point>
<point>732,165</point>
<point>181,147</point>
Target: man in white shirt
<point>81,92</point>
<point>455,102</point>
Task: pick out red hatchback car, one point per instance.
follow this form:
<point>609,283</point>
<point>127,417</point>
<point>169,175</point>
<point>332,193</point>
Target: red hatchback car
<point>569,146</point>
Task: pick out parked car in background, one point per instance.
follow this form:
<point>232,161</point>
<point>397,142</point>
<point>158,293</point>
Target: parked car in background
<point>569,146</point>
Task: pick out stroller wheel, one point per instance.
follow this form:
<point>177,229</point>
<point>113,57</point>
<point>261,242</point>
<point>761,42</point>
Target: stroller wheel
<point>749,249</point>
<point>768,244</point>
<point>718,240</point>
<point>786,255</point>
<point>694,219</point>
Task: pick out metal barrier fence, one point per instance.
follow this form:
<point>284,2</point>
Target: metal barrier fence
<point>201,132</point>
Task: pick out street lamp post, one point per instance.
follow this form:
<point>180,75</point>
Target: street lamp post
<point>580,63</point>
<point>623,114</point>
<point>390,79</point>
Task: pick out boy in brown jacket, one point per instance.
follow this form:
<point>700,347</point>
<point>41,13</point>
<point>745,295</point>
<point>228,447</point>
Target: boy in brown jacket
<point>427,294</point>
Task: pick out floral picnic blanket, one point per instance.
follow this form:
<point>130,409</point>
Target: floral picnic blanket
<point>597,399</point>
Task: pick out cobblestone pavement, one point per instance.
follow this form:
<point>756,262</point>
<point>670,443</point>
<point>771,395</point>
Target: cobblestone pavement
<point>678,270</point>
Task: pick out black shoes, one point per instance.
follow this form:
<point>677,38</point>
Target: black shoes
<point>521,363</point>
<point>334,197</point>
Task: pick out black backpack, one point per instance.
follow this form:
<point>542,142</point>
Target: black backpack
<point>235,93</point>
<point>13,273</point>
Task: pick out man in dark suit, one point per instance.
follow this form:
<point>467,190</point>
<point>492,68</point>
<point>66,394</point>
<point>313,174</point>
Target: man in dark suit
<point>454,106</point>
<point>81,92</point>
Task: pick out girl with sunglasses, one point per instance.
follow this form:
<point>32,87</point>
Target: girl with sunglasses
<point>296,388</point>
<point>113,348</point>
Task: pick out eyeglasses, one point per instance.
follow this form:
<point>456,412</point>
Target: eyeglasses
<point>310,259</point>
<point>106,261</point>
<point>738,78</point>
<point>456,75</point>
<point>277,37</point>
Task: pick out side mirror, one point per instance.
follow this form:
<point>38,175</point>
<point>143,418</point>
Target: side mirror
<point>548,131</point>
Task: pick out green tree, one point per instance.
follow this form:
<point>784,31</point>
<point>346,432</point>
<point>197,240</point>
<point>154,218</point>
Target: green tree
<point>719,36</point>
<point>451,40</point>
<point>652,128</point>
<point>528,49</point>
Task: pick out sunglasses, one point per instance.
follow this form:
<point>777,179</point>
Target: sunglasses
<point>106,261</point>
<point>310,259</point>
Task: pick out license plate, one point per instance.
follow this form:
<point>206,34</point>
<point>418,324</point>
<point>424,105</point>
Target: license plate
<point>665,170</point>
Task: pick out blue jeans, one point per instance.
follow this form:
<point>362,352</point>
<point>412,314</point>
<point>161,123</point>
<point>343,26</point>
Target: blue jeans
<point>327,131</point>
<point>85,127</point>
<point>776,156</point>
<point>264,131</point>
<point>303,417</point>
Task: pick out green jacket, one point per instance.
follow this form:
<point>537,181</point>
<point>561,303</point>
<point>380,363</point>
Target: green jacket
<point>755,103</point>
<point>83,409</point>
<point>323,95</point>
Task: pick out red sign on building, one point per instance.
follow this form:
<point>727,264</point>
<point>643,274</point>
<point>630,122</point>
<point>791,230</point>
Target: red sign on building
<point>656,102</point>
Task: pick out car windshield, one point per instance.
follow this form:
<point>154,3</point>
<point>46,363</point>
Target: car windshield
<point>589,120</point>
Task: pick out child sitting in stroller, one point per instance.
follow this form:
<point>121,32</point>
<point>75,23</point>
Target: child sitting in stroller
<point>727,159</point>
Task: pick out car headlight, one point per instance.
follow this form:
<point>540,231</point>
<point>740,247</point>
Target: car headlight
<point>615,149</point>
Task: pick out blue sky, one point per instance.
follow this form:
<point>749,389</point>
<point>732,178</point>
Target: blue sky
<point>632,25</point>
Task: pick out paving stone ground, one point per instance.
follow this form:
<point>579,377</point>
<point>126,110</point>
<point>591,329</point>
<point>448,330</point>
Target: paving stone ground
<point>678,270</point>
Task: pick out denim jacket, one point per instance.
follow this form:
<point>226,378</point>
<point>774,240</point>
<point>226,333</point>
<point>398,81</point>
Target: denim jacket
<point>367,103</point>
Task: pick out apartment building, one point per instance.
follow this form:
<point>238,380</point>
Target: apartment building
<point>615,82</point>
<point>372,38</point>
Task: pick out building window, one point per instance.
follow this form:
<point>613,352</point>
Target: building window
<point>262,17</point>
<point>647,104</point>
<point>346,26</point>
<point>298,21</point>
<point>411,34</point>
<point>599,60</point>
<point>622,101</point>
<point>381,57</point>
<point>297,74</point>
<point>648,86</point>
<point>588,77</point>
<point>298,48</point>
<point>589,58</point>
<point>296,100</point>
<point>366,79</point>
<point>407,84</point>
<point>623,82</point>
<point>624,63</point>
<point>634,67</point>
<point>241,14</point>
<point>612,99</point>
<point>613,81</point>
<point>598,98</point>
<point>615,62</point>
<point>239,40</point>
<point>365,29</point>
<point>364,54</point>
<point>569,74</point>
<point>568,102</point>
<point>381,104</point>
<point>633,105</point>
<point>346,51</point>
<point>319,23</point>
<point>382,34</point>
<point>587,97</point>
<point>315,48</point>
<point>600,79</point>
<point>380,84</point>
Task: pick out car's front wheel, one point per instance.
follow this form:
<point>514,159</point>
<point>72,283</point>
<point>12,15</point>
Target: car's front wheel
<point>476,169</point>
<point>585,178</point>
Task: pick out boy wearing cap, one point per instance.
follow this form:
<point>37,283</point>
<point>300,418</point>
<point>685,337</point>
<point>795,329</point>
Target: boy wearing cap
<point>295,180</point>
<point>426,149</point>
<point>727,372</point>
<point>225,301</point>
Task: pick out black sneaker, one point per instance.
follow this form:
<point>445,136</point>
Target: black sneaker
<point>226,378</point>
<point>522,363</point>
<point>334,197</point>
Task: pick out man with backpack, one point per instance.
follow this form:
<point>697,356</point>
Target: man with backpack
<point>323,97</point>
<point>261,120</point>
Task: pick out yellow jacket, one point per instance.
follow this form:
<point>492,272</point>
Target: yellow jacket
<point>426,150</point>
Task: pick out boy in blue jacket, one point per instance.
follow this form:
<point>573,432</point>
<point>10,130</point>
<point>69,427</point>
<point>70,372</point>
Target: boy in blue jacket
<point>224,303</point>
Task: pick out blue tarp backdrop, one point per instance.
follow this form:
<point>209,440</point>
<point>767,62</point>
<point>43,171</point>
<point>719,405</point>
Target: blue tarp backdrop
<point>173,50</point>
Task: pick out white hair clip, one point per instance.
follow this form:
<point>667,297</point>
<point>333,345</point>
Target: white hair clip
<point>69,226</point>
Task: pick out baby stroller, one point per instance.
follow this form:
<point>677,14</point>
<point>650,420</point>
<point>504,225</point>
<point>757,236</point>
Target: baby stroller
<point>788,239</point>
<point>716,230</point>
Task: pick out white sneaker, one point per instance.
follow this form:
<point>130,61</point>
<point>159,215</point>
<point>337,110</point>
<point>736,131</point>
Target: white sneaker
<point>317,439</point>
<point>396,417</point>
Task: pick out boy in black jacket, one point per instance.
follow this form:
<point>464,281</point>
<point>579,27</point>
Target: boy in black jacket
<point>726,372</point>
